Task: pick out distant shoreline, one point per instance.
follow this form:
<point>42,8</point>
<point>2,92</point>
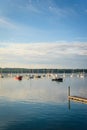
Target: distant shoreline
<point>43,70</point>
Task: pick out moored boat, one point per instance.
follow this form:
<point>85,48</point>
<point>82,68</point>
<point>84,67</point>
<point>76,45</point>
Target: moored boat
<point>1,76</point>
<point>19,77</point>
<point>58,79</point>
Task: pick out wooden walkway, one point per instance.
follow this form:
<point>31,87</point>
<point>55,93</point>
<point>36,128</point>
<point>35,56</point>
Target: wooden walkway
<point>78,99</point>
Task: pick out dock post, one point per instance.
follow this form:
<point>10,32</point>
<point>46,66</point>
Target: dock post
<point>69,91</point>
<point>69,104</point>
<point>68,98</point>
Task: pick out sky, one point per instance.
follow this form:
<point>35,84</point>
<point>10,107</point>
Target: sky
<point>43,33</point>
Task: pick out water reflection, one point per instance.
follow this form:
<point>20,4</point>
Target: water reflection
<point>69,104</point>
<point>42,104</point>
<point>42,90</point>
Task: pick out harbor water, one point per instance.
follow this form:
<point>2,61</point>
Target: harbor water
<point>42,104</point>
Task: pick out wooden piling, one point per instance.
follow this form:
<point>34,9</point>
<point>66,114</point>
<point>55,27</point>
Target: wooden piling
<point>69,91</point>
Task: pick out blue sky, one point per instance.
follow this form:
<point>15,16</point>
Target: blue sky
<point>43,23</point>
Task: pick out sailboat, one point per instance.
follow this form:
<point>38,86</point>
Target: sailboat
<point>72,74</point>
<point>56,78</point>
<point>1,76</point>
<point>64,75</point>
<point>18,77</point>
<point>82,74</point>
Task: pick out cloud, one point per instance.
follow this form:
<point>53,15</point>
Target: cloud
<point>30,6</point>
<point>41,7</point>
<point>57,11</point>
<point>43,49</point>
<point>61,11</point>
<point>86,10</point>
<point>5,22</point>
<point>40,53</point>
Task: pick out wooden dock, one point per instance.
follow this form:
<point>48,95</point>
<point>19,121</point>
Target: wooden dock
<point>78,99</point>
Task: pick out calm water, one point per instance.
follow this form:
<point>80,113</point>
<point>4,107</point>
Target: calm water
<point>42,104</point>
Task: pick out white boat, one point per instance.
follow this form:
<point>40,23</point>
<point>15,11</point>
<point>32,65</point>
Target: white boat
<point>71,75</point>
<point>82,75</point>
<point>64,75</point>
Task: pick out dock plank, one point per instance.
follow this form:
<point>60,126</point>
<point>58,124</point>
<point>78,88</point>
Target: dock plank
<point>76,98</point>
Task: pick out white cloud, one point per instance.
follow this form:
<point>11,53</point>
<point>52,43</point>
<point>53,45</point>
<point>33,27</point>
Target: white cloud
<point>30,6</point>
<point>86,10</point>
<point>40,53</point>
<point>41,7</point>
<point>62,12</point>
<point>6,23</point>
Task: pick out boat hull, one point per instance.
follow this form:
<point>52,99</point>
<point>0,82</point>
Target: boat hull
<point>18,77</point>
<point>58,79</point>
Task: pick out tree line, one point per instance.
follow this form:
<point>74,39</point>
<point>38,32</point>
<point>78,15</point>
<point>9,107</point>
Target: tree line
<point>45,70</point>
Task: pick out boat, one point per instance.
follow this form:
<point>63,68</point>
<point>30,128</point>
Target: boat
<point>18,77</point>
<point>1,76</point>
<point>37,76</point>
<point>64,75</point>
<point>31,76</point>
<point>71,75</point>
<point>82,75</point>
<point>58,79</point>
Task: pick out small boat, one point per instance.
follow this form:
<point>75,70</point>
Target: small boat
<point>71,75</point>
<point>58,79</point>
<point>82,75</point>
<point>19,77</point>
<point>37,76</point>
<point>1,76</point>
<point>31,76</point>
<point>64,75</point>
